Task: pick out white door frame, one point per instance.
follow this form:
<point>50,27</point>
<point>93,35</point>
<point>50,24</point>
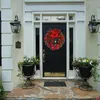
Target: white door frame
<point>67,21</point>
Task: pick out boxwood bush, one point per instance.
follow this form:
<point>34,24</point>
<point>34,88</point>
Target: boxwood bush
<point>2,92</point>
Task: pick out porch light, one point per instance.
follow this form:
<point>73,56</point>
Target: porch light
<point>15,25</point>
<point>93,25</point>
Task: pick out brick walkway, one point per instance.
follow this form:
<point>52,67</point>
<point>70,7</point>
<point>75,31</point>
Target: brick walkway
<point>39,92</point>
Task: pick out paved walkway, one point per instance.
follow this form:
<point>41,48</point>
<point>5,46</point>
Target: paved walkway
<point>39,92</point>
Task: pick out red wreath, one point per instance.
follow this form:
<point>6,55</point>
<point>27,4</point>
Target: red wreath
<point>54,39</point>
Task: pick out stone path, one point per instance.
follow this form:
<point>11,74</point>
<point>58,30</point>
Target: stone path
<point>39,92</point>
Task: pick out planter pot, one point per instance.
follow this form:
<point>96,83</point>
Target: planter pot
<point>85,71</point>
<point>28,70</point>
<point>85,74</point>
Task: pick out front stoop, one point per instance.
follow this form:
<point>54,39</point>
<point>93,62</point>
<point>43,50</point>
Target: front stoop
<point>48,99</point>
<point>39,92</point>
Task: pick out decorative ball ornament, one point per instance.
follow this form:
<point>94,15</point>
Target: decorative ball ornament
<point>54,39</point>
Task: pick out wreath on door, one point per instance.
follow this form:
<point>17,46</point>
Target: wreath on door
<point>54,39</point>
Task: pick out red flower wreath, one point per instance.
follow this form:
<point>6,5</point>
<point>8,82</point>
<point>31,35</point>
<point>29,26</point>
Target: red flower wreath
<point>54,39</point>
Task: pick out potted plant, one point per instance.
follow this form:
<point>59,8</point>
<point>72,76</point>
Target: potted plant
<point>86,63</point>
<point>26,68</point>
<point>86,68</point>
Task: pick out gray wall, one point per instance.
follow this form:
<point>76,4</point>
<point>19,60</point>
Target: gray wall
<point>0,4</point>
<point>17,8</point>
<point>0,66</point>
<point>91,39</point>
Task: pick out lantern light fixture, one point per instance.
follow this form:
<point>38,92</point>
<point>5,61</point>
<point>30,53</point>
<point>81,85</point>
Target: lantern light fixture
<point>15,25</point>
<point>93,25</point>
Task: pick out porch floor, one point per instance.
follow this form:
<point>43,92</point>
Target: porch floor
<point>39,92</point>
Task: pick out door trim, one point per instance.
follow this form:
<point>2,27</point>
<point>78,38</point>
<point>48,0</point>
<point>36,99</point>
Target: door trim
<point>69,73</point>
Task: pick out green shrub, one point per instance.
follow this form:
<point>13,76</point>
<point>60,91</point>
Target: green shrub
<point>2,92</point>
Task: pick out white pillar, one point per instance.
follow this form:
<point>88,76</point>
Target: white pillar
<point>6,40</point>
<point>98,83</point>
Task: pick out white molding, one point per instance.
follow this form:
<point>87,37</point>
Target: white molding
<point>99,38</point>
<point>98,13</point>
<point>7,63</point>
<point>6,75</point>
<point>99,51</point>
<point>80,16</point>
<point>6,14</point>
<point>28,16</point>
<point>63,7</point>
<point>28,39</point>
<point>98,86</point>
<point>67,48</point>
<point>7,39</point>
<point>8,86</point>
<point>5,3</point>
<point>5,27</point>
<point>54,0</point>
<point>81,44</point>
<point>6,51</point>
<point>60,8</point>
<point>41,51</point>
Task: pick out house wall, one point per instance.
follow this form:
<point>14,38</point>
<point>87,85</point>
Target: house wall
<point>7,66</point>
<point>10,55</point>
<point>0,66</point>
<point>79,39</point>
<point>92,39</point>
<point>17,9</point>
<point>11,58</point>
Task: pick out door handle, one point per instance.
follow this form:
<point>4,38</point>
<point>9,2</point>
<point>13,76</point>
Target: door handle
<point>43,56</point>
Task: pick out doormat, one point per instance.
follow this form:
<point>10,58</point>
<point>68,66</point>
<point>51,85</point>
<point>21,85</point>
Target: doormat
<point>54,84</point>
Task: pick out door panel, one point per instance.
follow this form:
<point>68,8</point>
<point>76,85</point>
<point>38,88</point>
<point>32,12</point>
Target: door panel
<point>54,49</point>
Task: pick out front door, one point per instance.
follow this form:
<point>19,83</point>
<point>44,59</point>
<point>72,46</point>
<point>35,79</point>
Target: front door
<point>54,49</point>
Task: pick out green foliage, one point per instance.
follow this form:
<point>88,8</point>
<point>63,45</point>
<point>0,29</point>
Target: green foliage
<point>80,62</point>
<point>2,92</point>
<point>27,61</point>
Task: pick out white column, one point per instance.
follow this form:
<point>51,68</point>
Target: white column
<point>6,40</point>
<point>98,83</point>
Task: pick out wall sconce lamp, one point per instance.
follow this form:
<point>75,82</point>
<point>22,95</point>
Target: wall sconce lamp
<point>15,25</point>
<point>93,25</point>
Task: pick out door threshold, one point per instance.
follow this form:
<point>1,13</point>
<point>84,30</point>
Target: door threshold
<point>54,78</point>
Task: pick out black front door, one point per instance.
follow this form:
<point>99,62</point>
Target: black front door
<point>54,49</point>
